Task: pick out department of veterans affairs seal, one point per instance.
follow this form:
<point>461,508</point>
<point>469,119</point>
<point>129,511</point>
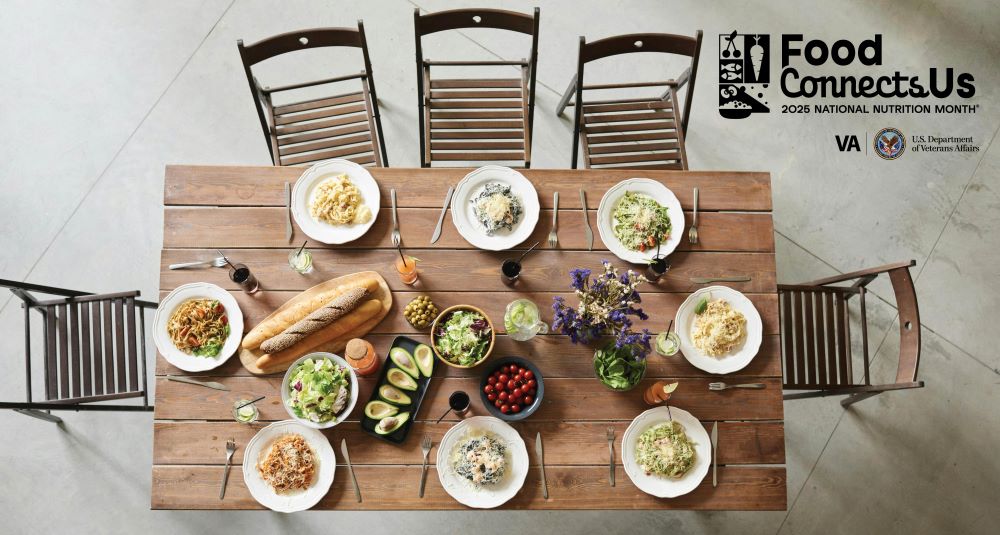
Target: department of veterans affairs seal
<point>889,143</point>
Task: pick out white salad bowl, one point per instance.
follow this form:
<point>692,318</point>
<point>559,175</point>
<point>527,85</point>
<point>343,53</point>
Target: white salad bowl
<point>352,396</point>
<point>659,193</point>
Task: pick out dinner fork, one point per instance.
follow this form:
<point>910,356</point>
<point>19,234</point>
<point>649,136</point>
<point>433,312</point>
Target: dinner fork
<point>425,446</point>
<point>230,450</point>
<point>611,449</point>
<point>395,223</point>
<point>724,386</point>
<point>553,238</point>
<point>215,262</point>
<point>693,231</point>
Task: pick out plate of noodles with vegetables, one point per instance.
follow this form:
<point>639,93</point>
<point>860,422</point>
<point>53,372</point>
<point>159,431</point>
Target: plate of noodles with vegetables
<point>719,328</point>
<point>288,467</point>
<point>666,452</point>
<point>335,201</point>
<point>198,326</point>
<point>638,217</point>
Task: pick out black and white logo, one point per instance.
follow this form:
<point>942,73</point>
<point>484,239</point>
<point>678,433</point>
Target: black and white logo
<point>744,74</point>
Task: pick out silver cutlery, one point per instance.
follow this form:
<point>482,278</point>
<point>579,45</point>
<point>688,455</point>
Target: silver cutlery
<point>611,449</point>
<point>706,280</point>
<point>347,460</point>
<point>553,238</point>
<point>288,212</point>
<point>425,446</point>
<point>723,386</point>
<point>693,231</point>
<point>541,464</point>
<point>206,384</point>
<point>715,453</point>
<point>215,262</point>
<point>230,450</point>
<point>586,222</point>
<point>444,210</point>
<point>395,222</point>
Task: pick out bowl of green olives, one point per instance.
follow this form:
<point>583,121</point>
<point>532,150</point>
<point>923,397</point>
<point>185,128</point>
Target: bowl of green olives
<point>420,312</point>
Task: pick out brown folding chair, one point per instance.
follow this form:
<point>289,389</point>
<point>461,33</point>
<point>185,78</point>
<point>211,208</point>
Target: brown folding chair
<point>94,350</point>
<point>816,338</point>
<point>341,126</point>
<point>637,133</point>
<point>487,119</point>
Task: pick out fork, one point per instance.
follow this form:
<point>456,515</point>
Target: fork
<point>230,450</point>
<point>723,386</point>
<point>693,231</point>
<point>425,446</point>
<point>553,238</point>
<point>215,262</point>
<point>611,448</point>
<point>395,224</point>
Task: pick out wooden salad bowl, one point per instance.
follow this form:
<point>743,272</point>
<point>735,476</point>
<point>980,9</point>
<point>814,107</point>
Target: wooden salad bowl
<point>449,310</point>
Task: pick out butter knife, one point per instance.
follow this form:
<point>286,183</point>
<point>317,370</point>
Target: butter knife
<point>207,384</point>
<point>288,212</point>
<point>444,210</point>
<point>541,464</point>
<point>586,222</point>
<point>715,453</point>
<point>706,280</point>
<point>347,459</point>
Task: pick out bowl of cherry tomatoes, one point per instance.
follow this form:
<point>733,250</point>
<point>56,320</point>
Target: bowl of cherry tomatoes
<point>512,390</point>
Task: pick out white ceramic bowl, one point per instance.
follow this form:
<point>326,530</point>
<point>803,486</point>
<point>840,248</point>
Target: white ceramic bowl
<point>196,290</point>
<point>352,398</point>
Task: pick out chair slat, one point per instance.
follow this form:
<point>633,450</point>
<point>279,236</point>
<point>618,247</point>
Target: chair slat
<point>318,125</point>
<point>323,134</point>
<point>478,104</point>
<point>822,359</point>
<point>676,166</point>
<point>362,160</point>
<point>120,342</point>
<point>490,114</point>
<point>843,339</point>
<point>364,137</point>
<point>440,95</point>
<point>51,353</point>
<point>318,103</point>
<point>473,156</point>
<point>97,329</point>
<point>477,145</point>
<point>787,352</point>
<point>372,129</point>
<point>801,372</point>
<point>133,361</point>
<point>468,134</point>
<point>320,114</point>
<point>809,337</point>
<point>74,349</point>
<point>632,158</point>
<point>480,125</point>
<point>475,83</point>
<point>830,339</point>
<point>628,117</point>
<point>619,138</point>
<point>629,127</point>
<point>85,352</point>
<point>627,106</point>
<point>327,154</point>
<point>107,330</point>
<point>634,147</point>
<point>64,370</point>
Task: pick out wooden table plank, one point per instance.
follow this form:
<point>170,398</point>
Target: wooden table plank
<point>210,227</point>
<point>425,188</point>
<point>579,443</point>
<point>565,399</point>
<point>550,354</point>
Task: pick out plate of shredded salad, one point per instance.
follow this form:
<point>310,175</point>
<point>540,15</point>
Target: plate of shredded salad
<point>319,390</point>
<point>637,214</point>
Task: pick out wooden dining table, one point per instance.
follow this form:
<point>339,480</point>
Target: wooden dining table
<point>241,210</point>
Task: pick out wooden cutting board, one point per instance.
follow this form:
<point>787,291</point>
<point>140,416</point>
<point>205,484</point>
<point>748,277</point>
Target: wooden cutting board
<point>249,357</point>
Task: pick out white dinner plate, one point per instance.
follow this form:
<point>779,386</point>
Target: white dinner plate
<point>260,444</point>
<point>196,290</point>
<point>464,217</point>
<point>305,190</point>
<point>464,491</point>
<point>352,396</point>
<point>739,357</point>
<point>660,486</point>
<point>660,194</point>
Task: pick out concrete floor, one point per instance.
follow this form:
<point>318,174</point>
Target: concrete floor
<point>98,96</point>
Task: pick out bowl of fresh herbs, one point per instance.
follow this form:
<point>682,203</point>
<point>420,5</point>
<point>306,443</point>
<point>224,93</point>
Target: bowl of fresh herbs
<point>618,367</point>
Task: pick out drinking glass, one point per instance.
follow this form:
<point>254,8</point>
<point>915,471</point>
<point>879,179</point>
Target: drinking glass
<point>523,321</point>
<point>407,269</point>
<point>657,268</point>
<point>240,274</point>
<point>510,271</point>
<point>247,414</point>
<point>301,260</point>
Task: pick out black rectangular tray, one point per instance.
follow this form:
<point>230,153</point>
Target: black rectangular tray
<point>416,397</point>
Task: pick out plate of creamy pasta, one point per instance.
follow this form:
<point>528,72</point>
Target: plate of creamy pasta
<point>335,201</point>
<point>198,326</point>
<point>719,328</point>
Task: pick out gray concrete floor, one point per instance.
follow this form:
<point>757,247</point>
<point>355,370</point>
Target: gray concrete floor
<point>98,96</point>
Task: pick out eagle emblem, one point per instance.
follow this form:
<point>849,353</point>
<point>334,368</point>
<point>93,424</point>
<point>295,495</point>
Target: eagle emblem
<point>889,143</point>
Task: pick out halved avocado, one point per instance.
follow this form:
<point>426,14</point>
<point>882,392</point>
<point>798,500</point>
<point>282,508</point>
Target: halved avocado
<point>400,379</point>
<point>425,359</point>
<point>393,395</point>
<point>402,358</point>
<point>376,410</point>
<point>391,423</point>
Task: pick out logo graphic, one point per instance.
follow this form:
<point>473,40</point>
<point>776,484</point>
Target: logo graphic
<point>889,143</point>
<point>744,73</point>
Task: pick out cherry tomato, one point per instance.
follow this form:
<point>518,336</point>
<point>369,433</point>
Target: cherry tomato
<point>503,378</point>
<point>491,397</point>
<point>518,378</point>
<point>531,392</point>
<point>503,396</point>
<point>527,400</point>
<point>492,380</point>
<point>516,393</point>
<point>500,387</point>
<point>532,383</point>
<point>512,368</point>
<point>511,385</point>
<point>488,389</point>
<point>529,375</point>
<point>497,403</point>
<point>515,408</point>
<point>505,408</point>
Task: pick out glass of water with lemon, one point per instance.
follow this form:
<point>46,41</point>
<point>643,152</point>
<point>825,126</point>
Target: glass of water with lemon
<point>523,321</point>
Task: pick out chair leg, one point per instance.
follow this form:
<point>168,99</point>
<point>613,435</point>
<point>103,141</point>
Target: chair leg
<point>564,101</point>
<point>41,415</point>
<point>854,398</point>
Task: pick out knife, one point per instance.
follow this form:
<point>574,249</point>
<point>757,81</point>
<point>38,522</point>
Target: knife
<point>586,222</point>
<point>541,464</point>
<point>207,384</point>
<point>715,453</point>
<point>706,280</point>
<point>347,459</point>
<point>444,210</point>
<point>288,212</point>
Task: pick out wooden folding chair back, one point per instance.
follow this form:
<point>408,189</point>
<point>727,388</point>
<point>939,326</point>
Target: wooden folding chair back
<point>640,133</point>
<point>485,119</point>
<point>816,337</point>
<point>340,126</point>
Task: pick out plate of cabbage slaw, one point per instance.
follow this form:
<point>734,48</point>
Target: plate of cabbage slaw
<point>735,359</point>
<point>659,485</point>
<point>522,199</point>
<point>307,189</point>
<point>627,203</point>
<point>188,361</point>
<point>311,390</point>
<point>482,496</point>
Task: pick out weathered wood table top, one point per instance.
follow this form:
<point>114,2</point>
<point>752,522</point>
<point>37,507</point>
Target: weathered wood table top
<point>241,210</point>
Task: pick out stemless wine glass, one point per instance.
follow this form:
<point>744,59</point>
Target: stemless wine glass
<point>240,274</point>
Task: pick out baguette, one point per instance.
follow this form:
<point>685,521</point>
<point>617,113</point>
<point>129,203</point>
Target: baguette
<point>282,319</point>
<point>315,321</point>
<point>368,310</point>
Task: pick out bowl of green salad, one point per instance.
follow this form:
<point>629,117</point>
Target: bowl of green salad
<point>462,336</point>
<point>319,390</point>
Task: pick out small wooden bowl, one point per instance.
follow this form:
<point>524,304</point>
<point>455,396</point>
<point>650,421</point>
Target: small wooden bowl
<point>446,312</point>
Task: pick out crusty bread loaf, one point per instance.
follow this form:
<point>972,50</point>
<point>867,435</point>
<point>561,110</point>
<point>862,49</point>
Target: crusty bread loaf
<point>338,307</point>
<point>341,327</point>
<point>280,321</point>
